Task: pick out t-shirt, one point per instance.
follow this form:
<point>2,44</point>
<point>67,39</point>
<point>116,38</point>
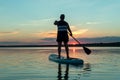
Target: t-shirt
<point>62,26</point>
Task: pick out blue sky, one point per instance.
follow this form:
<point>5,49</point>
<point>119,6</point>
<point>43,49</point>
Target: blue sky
<point>32,20</point>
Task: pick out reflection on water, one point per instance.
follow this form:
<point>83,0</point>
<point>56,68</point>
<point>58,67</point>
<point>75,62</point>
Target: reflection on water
<point>60,72</point>
<point>87,67</point>
<point>74,50</point>
<point>33,64</point>
<point>65,75</point>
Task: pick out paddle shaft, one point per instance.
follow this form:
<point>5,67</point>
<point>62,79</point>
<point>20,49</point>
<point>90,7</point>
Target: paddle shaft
<point>77,41</point>
<point>87,51</point>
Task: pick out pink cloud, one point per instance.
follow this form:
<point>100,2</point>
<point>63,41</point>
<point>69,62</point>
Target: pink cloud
<point>8,33</point>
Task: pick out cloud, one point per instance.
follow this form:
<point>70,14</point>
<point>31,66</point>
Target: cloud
<point>51,41</point>
<point>73,28</point>
<point>77,31</point>
<point>47,34</point>
<point>9,33</point>
<point>53,33</point>
<point>81,31</point>
<point>37,22</point>
<point>93,23</point>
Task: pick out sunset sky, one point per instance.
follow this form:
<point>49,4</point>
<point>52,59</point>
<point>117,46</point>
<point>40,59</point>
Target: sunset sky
<point>32,20</point>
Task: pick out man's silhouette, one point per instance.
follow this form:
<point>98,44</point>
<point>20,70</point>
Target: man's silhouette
<point>62,34</point>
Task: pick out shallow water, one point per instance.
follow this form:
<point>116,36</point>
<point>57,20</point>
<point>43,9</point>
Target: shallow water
<point>33,64</point>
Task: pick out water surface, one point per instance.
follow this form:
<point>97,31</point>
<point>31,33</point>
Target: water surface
<point>33,64</point>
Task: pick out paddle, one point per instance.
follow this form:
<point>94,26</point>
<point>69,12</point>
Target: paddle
<point>87,51</point>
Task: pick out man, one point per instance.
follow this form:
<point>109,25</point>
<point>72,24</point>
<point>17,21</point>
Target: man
<point>62,34</point>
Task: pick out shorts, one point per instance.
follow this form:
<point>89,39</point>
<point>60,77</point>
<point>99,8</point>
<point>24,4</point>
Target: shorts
<point>62,36</point>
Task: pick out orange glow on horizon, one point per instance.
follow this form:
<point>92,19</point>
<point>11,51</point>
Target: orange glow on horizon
<point>72,42</point>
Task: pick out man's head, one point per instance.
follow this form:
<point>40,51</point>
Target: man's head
<point>62,16</point>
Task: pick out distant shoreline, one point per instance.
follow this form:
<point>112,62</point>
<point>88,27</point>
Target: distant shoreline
<point>115,44</point>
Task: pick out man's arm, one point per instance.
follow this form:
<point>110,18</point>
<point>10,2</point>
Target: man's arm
<point>70,32</point>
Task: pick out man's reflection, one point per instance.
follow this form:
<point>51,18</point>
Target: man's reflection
<point>60,72</point>
<point>66,72</point>
<point>87,67</point>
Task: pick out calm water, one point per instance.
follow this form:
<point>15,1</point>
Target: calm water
<point>33,64</point>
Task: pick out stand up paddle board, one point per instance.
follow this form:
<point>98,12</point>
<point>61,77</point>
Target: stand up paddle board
<point>63,60</point>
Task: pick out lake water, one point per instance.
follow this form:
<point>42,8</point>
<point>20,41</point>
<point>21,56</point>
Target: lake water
<point>33,64</point>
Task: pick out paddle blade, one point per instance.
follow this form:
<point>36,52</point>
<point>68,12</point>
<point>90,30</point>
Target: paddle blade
<point>87,51</point>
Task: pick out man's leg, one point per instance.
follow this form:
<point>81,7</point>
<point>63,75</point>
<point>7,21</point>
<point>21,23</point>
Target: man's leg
<point>59,49</point>
<point>67,49</point>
